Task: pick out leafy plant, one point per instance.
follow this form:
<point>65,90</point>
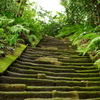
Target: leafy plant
<point>93,45</point>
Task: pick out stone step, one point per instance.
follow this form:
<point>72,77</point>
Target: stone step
<point>62,88</point>
<point>52,94</point>
<point>46,67</point>
<point>47,49</point>
<point>71,73</point>
<point>44,76</point>
<point>47,82</point>
<point>52,52</point>
<point>52,70</point>
<point>47,62</point>
<point>60,99</point>
<point>27,81</point>
<point>56,56</point>
<point>61,74</point>
<point>31,70</point>
<point>13,87</point>
<point>71,60</point>
<point>67,60</point>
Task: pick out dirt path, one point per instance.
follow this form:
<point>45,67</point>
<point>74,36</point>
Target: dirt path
<point>51,71</point>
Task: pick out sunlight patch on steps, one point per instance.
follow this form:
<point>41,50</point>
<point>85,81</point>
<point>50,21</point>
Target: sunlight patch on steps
<point>51,48</point>
<point>52,60</point>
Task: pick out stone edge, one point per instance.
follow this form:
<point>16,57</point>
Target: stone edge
<point>9,59</point>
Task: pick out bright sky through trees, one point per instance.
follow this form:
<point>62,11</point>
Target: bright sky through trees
<point>50,5</point>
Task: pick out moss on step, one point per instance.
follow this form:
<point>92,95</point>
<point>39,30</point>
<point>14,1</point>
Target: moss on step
<point>9,59</point>
<point>62,88</point>
<point>78,64</point>
<point>23,95</point>
<point>13,87</point>
<point>14,74</point>
<point>60,99</point>
<point>27,81</point>
<point>88,71</point>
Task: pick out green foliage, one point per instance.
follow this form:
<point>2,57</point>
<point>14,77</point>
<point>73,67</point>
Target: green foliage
<point>93,45</point>
<point>18,29</point>
<point>97,63</point>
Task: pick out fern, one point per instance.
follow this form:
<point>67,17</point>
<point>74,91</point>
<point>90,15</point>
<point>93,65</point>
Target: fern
<point>90,36</point>
<point>97,54</point>
<point>97,63</point>
<point>18,29</point>
<point>4,21</point>
<point>93,45</point>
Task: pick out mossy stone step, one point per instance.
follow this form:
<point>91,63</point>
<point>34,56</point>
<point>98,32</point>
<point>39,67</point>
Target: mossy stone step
<point>44,66</point>
<point>71,60</point>
<point>78,64</point>
<point>56,56</point>
<point>27,81</point>
<point>49,99</point>
<point>47,50</point>
<point>31,70</point>
<point>58,74</point>
<point>22,95</point>
<point>51,52</point>
<point>44,76</point>
<point>46,82</point>
<point>67,74</point>
<point>14,74</point>
<point>60,99</point>
<point>47,62</point>
<point>62,88</point>
<point>54,94</point>
<point>13,87</point>
<point>60,69</point>
<point>63,59</point>
<point>88,71</point>
<point>67,60</point>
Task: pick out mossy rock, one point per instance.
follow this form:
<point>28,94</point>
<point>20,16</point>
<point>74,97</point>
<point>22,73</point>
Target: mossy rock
<point>9,59</point>
<point>13,87</point>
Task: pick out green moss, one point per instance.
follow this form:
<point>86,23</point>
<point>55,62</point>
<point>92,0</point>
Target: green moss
<point>13,87</point>
<point>6,62</point>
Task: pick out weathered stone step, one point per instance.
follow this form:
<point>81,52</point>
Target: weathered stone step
<point>55,53</point>
<point>27,81</point>
<point>46,82</point>
<point>88,71</point>
<point>47,49</point>
<point>67,60</point>
<point>70,72</point>
<point>17,74</point>
<point>46,69</point>
<point>34,70</point>
<point>56,56</point>
<point>78,64</point>
<point>71,60</point>
<point>44,76</point>
<point>47,94</point>
<point>52,52</point>
<point>44,66</point>
<point>62,88</point>
<point>60,99</point>
<point>47,62</point>
<point>31,71</point>
<point>59,74</point>
<point>13,87</point>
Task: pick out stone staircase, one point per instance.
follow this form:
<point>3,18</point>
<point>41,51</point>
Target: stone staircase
<point>51,71</point>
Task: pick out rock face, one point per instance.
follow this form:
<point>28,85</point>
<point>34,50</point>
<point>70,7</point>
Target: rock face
<point>51,71</point>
